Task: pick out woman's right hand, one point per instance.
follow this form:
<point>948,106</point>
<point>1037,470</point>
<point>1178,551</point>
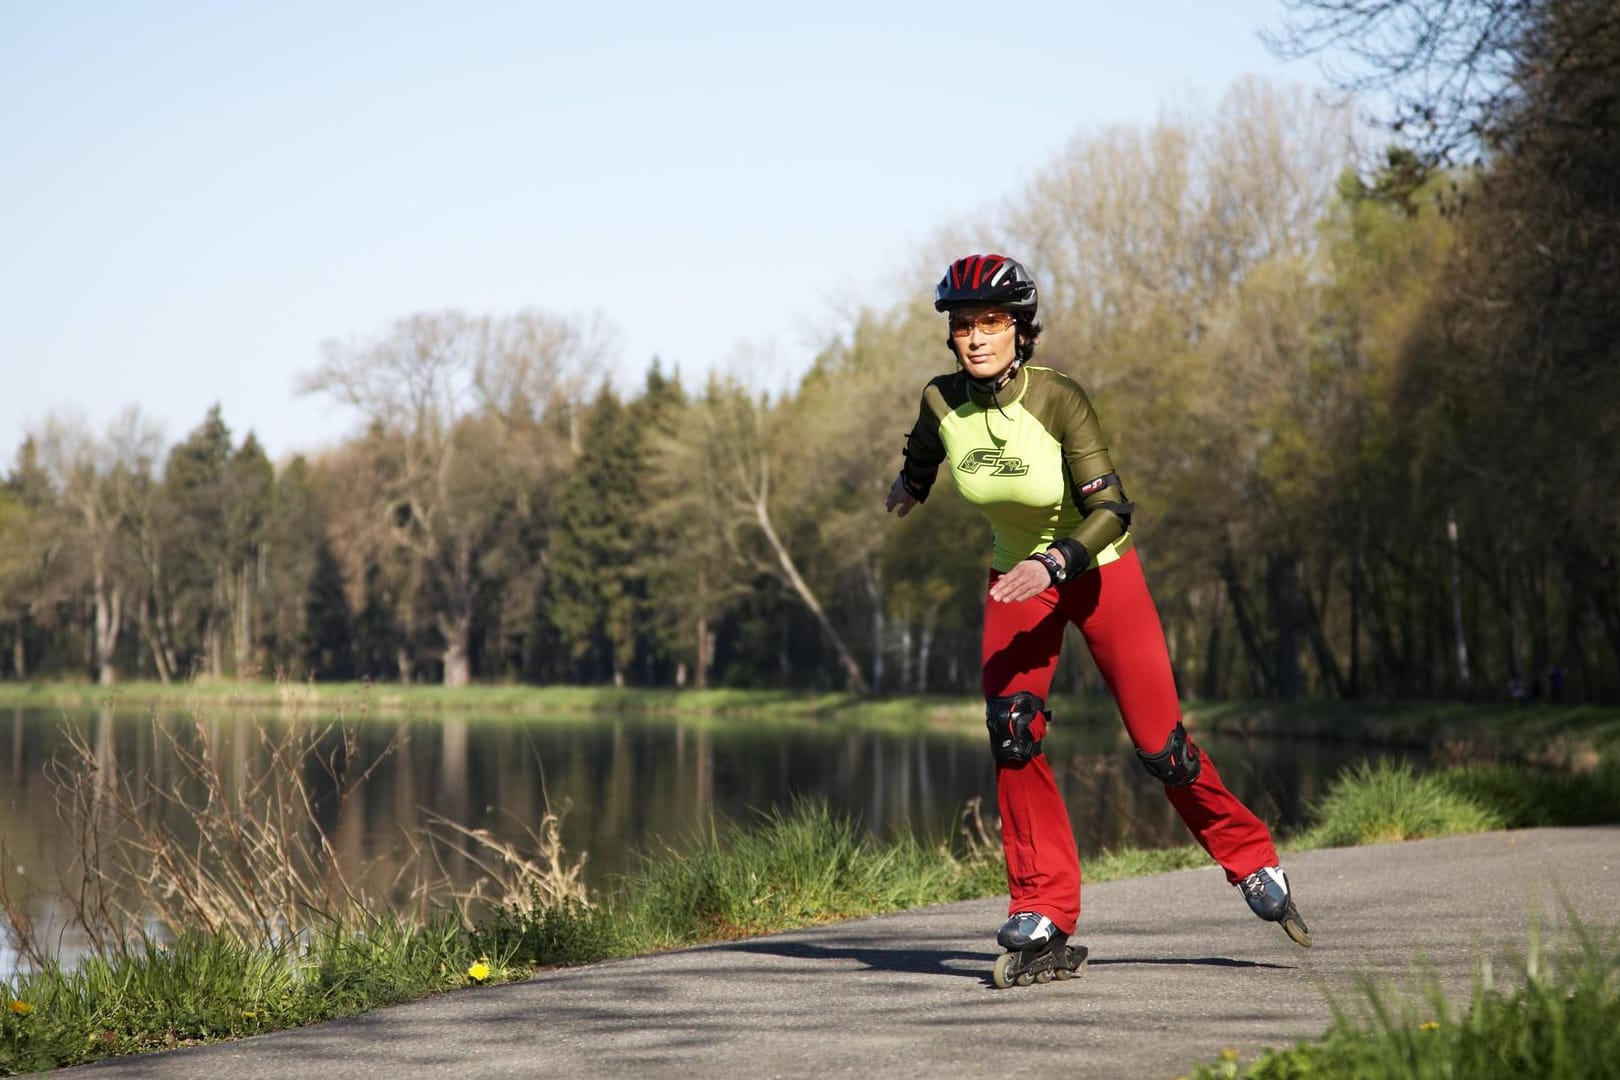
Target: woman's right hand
<point>899,497</point>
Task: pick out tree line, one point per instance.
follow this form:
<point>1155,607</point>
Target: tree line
<point>1367,413</point>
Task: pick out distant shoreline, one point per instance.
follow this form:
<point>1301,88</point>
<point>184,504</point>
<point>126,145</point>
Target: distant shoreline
<point>1568,737</point>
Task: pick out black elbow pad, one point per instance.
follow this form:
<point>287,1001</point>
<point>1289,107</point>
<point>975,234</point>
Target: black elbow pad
<point>1086,497</point>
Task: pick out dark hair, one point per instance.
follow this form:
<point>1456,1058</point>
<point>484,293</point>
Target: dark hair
<point>1029,332</point>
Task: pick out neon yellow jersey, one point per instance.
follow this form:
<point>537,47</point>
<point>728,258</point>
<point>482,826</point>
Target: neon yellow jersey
<point>1032,459</point>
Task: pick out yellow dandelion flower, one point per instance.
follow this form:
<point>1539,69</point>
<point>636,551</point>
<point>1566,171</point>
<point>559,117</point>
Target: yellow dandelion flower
<point>479,971</point>
<point>21,1008</point>
<point>1229,1054</point>
<point>1432,1025</point>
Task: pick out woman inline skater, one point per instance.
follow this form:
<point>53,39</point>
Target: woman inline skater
<point>1024,445</point>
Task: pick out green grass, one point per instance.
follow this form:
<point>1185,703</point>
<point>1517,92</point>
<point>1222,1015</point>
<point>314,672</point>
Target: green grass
<point>204,988</point>
<point>1557,1019</point>
<point>786,870</point>
<point>1529,797</point>
<point>1389,801</point>
<point>1374,804</point>
<point>793,869</point>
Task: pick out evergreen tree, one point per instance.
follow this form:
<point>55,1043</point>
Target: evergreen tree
<point>329,630</point>
<point>597,590</point>
<point>195,544</point>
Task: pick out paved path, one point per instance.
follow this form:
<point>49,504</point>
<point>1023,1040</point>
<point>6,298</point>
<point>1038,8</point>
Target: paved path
<point>1179,970</point>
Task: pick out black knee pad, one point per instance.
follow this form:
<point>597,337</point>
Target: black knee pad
<point>1009,720</point>
<point>1178,764</point>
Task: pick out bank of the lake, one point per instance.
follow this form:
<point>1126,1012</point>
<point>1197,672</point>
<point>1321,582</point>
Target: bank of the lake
<point>496,700</point>
<point>1557,735</point>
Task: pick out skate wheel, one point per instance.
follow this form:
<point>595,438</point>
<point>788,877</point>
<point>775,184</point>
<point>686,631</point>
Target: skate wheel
<point>1025,979</point>
<point>998,974</point>
<point>1296,930</point>
<point>1043,976</point>
<point>1062,974</point>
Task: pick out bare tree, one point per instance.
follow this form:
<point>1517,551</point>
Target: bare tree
<point>725,447</point>
<point>456,395</point>
<point>96,480</point>
<point>1448,67</point>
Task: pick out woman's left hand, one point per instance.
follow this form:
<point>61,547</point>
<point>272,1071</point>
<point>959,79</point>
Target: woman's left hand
<point>1029,578</point>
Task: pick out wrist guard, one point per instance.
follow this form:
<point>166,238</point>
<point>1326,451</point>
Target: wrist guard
<point>1075,556</point>
<point>1053,568</point>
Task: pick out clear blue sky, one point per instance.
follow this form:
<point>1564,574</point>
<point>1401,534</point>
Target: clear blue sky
<point>193,196</point>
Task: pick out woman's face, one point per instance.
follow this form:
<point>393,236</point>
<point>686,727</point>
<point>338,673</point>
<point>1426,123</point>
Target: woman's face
<point>984,350</point>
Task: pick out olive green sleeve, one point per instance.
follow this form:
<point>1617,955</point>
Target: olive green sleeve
<point>1105,512</point>
<point>1067,413</point>
<point>924,450</point>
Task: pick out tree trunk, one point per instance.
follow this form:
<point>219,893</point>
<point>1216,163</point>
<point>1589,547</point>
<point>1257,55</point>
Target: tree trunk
<point>925,645</point>
<point>1260,680</point>
<point>456,623</point>
<point>1326,662</point>
<point>1214,649</point>
<point>1282,600</point>
<point>457,631</point>
<point>872,576</point>
<point>150,631</point>
<point>852,670</point>
<point>406,666</point>
<point>19,651</point>
<point>1391,667</point>
<point>109,616</point>
<point>1461,641</point>
<point>165,631</point>
<point>705,651</point>
<point>907,682</point>
<point>244,621</point>
<point>214,630</point>
<point>1355,626</point>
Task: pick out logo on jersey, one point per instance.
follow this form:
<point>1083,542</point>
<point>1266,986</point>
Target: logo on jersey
<point>995,460</point>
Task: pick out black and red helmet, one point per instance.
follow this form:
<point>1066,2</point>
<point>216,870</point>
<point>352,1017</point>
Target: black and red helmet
<point>987,279</point>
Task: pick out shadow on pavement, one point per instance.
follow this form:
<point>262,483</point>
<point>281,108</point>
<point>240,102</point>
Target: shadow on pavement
<point>910,961</point>
<point>1192,961</point>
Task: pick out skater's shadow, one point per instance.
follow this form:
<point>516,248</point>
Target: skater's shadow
<point>909,961</point>
<point>1188,961</point>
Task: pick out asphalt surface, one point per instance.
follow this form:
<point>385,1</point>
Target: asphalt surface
<point>1179,971</point>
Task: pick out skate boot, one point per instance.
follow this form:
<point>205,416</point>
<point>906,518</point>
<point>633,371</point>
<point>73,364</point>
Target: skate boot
<point>1036,952</point>
<point>1266,890</point>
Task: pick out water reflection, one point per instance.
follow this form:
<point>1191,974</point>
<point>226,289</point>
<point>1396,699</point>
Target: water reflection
<point>633,784</point>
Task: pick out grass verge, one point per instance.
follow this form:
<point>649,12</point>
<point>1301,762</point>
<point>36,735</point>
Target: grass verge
<point>203,988</point>
<point>1558,1019</point>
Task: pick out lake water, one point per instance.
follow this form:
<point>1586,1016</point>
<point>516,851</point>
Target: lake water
<point>633,784</point>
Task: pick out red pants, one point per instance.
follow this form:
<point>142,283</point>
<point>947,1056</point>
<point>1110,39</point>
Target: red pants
<point>1115,613</point>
